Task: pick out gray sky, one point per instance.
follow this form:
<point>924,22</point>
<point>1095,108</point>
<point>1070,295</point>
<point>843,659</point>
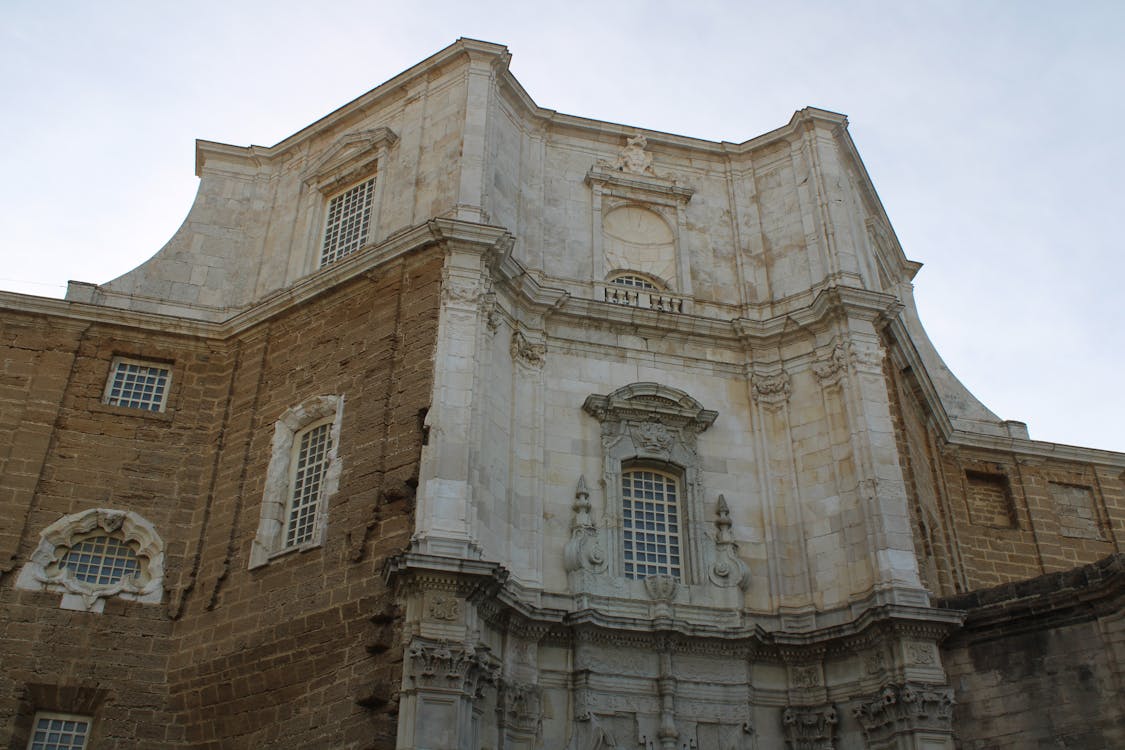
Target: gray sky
<point>989,129</point>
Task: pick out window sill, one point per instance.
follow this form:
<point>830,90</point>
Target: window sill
<point>129,411</point>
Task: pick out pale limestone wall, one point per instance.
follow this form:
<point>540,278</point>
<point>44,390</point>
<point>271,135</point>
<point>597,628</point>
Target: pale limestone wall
<point>255,227</point>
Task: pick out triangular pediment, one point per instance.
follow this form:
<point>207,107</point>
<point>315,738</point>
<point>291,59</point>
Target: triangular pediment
<point>350,159</point>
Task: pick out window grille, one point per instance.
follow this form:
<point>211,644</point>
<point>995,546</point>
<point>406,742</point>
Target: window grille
<point>101,560</point>
<point>312,449</point>
<point>349,214</point>
<point>138,385</point>
<point>650,523</point>
<point>59,732</point>
<point>633,281</point>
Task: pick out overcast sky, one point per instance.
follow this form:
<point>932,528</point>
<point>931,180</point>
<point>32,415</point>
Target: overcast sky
<point>989,129</point>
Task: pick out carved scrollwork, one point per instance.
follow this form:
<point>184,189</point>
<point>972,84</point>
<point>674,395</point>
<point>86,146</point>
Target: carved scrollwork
<point>440,665</point>
<point>904,707</point>
<point>810,728</point>
<point>584,549</point>
<point>661,588</point>
<point>527,352</point>
<point>520,707</point>
<point>633,158</point>
<point>728,569</point>
<point>771,389</point>
<point>831,368</point>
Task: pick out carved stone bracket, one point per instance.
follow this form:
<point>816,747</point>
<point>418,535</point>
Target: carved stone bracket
<point>526,352</point>
<point>771,389</point>
<point>451,667</point>
<point>907,707</point>
<point>728,569</point>
<point>810,727</point>
<point>831,368</point>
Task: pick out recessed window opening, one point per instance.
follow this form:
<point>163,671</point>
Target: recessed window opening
<point>312,447</point>
<point>650,507</point>
<point>349,215</point>
<point>54,731</point>
<point>138,385</point>
<point>634,281</point>
<point>101,560</point>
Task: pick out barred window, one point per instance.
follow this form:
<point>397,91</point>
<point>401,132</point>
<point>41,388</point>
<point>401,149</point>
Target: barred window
<point>650,507</point>
<point>349,215</point>
<point>101,560</point>
<point>54,731</point>
<point>309,463</point>
<point>138,385</point>
<point>633,281</point>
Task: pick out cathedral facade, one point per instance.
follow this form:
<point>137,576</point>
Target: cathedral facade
<point>453,422</point>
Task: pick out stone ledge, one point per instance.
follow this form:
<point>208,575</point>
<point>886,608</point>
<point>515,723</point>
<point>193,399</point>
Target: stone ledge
<point>1046,601</point>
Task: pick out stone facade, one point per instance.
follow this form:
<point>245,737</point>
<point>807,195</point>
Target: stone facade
<point>626,440</point>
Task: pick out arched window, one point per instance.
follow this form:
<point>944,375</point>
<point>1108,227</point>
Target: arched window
<point>303,474</point>
<point>634,280</point>
<point>96,554</point>
<point>650,522</point>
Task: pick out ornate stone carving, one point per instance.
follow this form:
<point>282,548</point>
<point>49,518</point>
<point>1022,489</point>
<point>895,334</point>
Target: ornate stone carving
<point>921,654</point>
<point>47,571</point>
<point>830,368</point>
<point>445,607</point>
<point>653,437</point>
<point>527,352</point>
<point>632,159</point>
<point>771,389</point>
<point>465,290</point>
<point>728,569</point>
<point>661,588</point>
<point>492,316</point>
<point>906,707</point>
<point>440,665</point>
<point>810,728</point>
<point>520,707</point>
<point>806,677</point>
<point>584,550</point>
<point>875,662</point>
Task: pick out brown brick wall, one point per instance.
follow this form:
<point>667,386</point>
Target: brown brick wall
<point>986,517</point>
<point>298,653</point>
<point>1041,663</point>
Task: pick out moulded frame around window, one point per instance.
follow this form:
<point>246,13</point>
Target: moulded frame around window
<point>270,540</point>
<point>121,365</point>
<point>46,570</point>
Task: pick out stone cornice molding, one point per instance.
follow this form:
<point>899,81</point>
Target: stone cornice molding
<point>642,402</point>
<point>649,188</point>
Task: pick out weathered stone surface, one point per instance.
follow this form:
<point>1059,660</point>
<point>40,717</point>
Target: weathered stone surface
<point>538,310</point>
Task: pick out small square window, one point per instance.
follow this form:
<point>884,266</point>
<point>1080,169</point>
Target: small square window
<point>349,215</point>
<point>54,731</point>
<point>138,385</point>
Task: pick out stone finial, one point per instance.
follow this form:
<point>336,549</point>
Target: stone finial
<point>581,505</point>
<point>722,520</point>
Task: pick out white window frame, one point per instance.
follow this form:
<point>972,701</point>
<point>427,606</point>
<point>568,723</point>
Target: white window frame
<point>277,498</point>
<point>118,364</point>
<point>46,571</point>
<point>58,716</point>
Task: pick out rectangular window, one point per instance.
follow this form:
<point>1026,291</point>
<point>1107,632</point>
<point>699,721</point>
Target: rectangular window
<point>349,215</point>
<point>650,508</point>
<point>311,461</point>
<point>54,731</point>
<point>138,385</point>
